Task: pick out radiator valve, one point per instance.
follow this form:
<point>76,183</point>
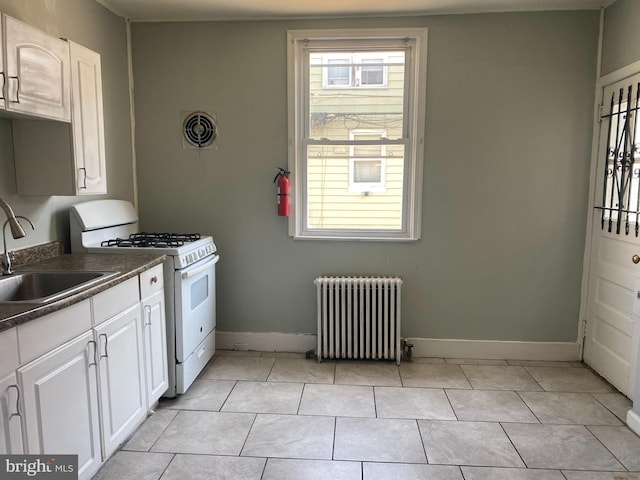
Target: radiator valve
<point>406,350</point>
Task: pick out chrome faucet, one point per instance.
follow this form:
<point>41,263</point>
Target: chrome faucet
<point>16,231</point>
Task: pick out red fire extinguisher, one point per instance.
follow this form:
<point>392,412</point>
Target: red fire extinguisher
<point>282,179</point>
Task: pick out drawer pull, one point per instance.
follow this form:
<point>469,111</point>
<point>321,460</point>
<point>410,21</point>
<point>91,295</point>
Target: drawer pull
<point>95,352</point>
<point>147,310</point>
<point>17,413</point>
<point>106,344</point>
<point>154,279</point>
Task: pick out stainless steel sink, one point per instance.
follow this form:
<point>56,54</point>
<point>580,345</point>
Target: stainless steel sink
<point>42,287</point>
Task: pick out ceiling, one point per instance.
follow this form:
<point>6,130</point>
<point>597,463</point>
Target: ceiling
<point>190,10</point>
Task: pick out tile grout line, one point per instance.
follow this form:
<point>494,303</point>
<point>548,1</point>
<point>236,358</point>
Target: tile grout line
<point>586,427</point>
<point>422,440</point>
<point>528,407</point>
<point>228,395</point>
<point>173,457</point>
<point>513,444</point>
<point>246,438</point>
<point>455,414</point>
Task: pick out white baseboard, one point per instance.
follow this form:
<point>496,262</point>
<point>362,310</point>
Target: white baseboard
<point>266,341</point>
<point>422,347</point>
<point>633,421</point>
<point>495,349</point>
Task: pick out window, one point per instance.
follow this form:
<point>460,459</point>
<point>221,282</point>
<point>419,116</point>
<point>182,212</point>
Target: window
<point>356,127</point>
<point>367,162</point>
<point>353,70</point>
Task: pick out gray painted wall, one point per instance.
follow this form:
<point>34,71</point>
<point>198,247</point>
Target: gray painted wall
<point>508,135</point>
<point>89,24</point>
<point>621,40</point>
<point>621,47</point>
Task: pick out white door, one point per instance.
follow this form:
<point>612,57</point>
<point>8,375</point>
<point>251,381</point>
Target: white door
<point>612,337</point>
<point>10,416</point>
<point>60,397</point>
<point>122,386</point>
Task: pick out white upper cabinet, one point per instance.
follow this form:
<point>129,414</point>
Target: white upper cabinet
<point>36,72</point>
<point>3,74</point>
<point>55,158</point>
<point>87,121</point>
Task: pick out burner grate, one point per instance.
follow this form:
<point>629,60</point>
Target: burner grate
<point>157,240</point>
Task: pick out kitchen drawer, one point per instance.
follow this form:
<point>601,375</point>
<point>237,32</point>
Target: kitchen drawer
<point>151,281</point>
<point>45,333</point>
<point>9,359</point>
<point>115,300</point>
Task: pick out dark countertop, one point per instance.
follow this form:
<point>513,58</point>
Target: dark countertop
<point>128,265</point>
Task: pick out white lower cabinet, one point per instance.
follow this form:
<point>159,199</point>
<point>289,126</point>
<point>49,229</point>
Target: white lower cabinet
<point>60,398</point>
<point>155,347</point>
<point>121,372</point>
<point>155,333</point>
<point>87,394</point>
<point>10,416</point>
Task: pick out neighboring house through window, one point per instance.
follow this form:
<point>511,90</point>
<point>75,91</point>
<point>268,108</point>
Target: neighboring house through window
<point>356,126</point>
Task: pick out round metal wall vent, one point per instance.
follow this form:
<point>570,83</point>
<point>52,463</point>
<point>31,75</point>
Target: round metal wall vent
<point>200,129</point>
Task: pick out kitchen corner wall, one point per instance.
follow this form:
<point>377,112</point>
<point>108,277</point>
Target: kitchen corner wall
<point>89,24</point>
<point>506,172</point>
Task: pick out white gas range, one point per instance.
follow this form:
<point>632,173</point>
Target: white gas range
<point>111,226</point>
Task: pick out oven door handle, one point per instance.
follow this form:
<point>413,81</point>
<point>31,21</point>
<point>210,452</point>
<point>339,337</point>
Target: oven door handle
<point>202,268</point>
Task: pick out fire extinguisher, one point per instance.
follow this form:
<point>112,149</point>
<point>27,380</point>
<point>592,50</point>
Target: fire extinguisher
<point>282,179</point>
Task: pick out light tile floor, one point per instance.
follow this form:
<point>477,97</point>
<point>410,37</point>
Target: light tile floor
<point>266,416</point>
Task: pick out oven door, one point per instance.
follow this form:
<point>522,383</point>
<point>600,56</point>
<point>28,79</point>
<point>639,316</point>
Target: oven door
<point>195,307</point>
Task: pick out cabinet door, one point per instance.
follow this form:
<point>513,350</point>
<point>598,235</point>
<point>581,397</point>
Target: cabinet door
<point>122,387</point>
<point>3,74</point>
<point>86,120</point>
<point>155,347</point>
<point>10,416</point>
<point>37,70</point>
<point>60,396</point>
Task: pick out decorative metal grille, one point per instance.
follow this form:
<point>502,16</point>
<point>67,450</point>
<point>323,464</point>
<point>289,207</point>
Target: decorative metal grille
<point>621,182</point>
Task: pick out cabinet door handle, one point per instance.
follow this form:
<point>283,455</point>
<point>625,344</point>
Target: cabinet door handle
<point>95,352</point>
<point>84,177</point>
<point>147,310</point>
<point>17,413</point>
<point>4,80</point>
<point>106,344</point>
<point>17,100</point>
<point>154,279</point>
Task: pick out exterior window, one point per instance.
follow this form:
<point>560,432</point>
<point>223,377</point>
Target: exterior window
<point>356,126</point>
<point>353,70</point>
<point>367,163</point>
<point>338,72</point>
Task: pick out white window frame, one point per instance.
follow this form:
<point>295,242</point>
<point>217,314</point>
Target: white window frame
<point>414,41</point>
<point>368,187</point>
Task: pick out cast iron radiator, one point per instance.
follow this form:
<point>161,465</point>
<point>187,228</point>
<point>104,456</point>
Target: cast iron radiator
<point>359,318</point>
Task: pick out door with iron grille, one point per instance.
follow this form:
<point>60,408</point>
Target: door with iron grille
<point>613,306</point>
